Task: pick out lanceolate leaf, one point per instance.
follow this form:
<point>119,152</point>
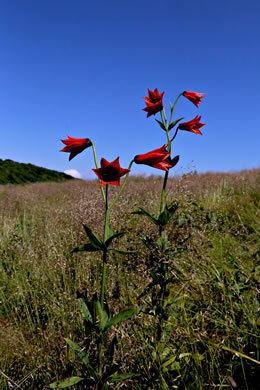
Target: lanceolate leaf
<point>167,214</point>
<point>173,208</point>
<point>126,313</point>
<point>161,124</point>
<point>80,352</point>
<point>94,239</point>
<point>66,382</point>
<point>120,252</point>
<point>84,310</point>
<point>174,161</point>
<point>102,316</point>
<point>111,349</point>
<point>92,308</point>
<point>174,123</point>
<point>122,377</point>
<point>86,248</point>
<point>111,238</point>
<point>141,211</point>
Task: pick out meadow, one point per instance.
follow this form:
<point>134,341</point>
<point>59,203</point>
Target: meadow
<point>213,331</point>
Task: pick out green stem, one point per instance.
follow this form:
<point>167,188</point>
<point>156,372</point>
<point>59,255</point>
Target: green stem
<point>122,187</point>
<point>162,118</point>
<point>169,141</point>
<point>162,205</point>
<point>165,119</point>
<point>103,282</point>
<point>95,159</point>
<point>100,351</point>
<point>106,229</point>
<point>173,107</point>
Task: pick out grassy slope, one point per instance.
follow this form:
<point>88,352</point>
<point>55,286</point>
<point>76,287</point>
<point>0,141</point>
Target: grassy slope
<point>217,293</point>
<point>12,172</point>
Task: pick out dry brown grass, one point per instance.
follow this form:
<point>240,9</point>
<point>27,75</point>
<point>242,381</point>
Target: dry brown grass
<point>41,223</point>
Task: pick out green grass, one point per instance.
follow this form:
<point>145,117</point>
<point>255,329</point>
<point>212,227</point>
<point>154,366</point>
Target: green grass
<point>213,331</point>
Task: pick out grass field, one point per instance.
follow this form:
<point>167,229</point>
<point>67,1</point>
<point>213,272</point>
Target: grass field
<point>213,333</point>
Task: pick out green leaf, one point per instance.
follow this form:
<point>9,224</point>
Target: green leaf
<point>174,123</point>
<point>167,214</point>
<point>66,382</point>
<point>92,308</point>
<point>94,239</point>
<point>169,361</point>
<point>122,377</point>
<point>80,352</point>
<point>174,161</point>
<point>238,353</point>
<point>141,211</point>
<point>102,316</point>
<point>120,252</point>
<point>84,310</point>
<point>86,248</point>
<point>124,314</point>
<point>111,238</point>
<point>111,349</point>
<point>161,124</point>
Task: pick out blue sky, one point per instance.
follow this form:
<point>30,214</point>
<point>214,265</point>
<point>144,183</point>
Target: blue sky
<point>81,68</point>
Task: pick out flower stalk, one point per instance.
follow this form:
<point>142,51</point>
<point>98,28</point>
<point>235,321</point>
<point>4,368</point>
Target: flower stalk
<point>96,164</point>
<point>104,268</point>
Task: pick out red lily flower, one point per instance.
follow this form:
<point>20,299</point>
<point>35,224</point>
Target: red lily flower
<point>75,145</point>
<point>156,158</point>
<point>153,102</point>
<point>194,97</point>
<point>193,126</point>
<point>110,173</point>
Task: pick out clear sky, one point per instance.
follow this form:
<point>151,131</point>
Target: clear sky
<point>81,68</point>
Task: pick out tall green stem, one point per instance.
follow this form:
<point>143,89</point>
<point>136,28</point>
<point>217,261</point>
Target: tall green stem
<point>163,266</point>
<point>103,280</point>
<point>106,230</point>
<point>162,205</point>
<point>96,163</point>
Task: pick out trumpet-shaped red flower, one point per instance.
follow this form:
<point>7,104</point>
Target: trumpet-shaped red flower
<point>153,102</point>
<point>75,146</point>
<point>193,126</point>
<point>156,158</point>
<point>194,97</point>
<point>110,173</point>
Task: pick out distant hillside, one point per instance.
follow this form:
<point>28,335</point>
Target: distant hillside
<point>18,173</point>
